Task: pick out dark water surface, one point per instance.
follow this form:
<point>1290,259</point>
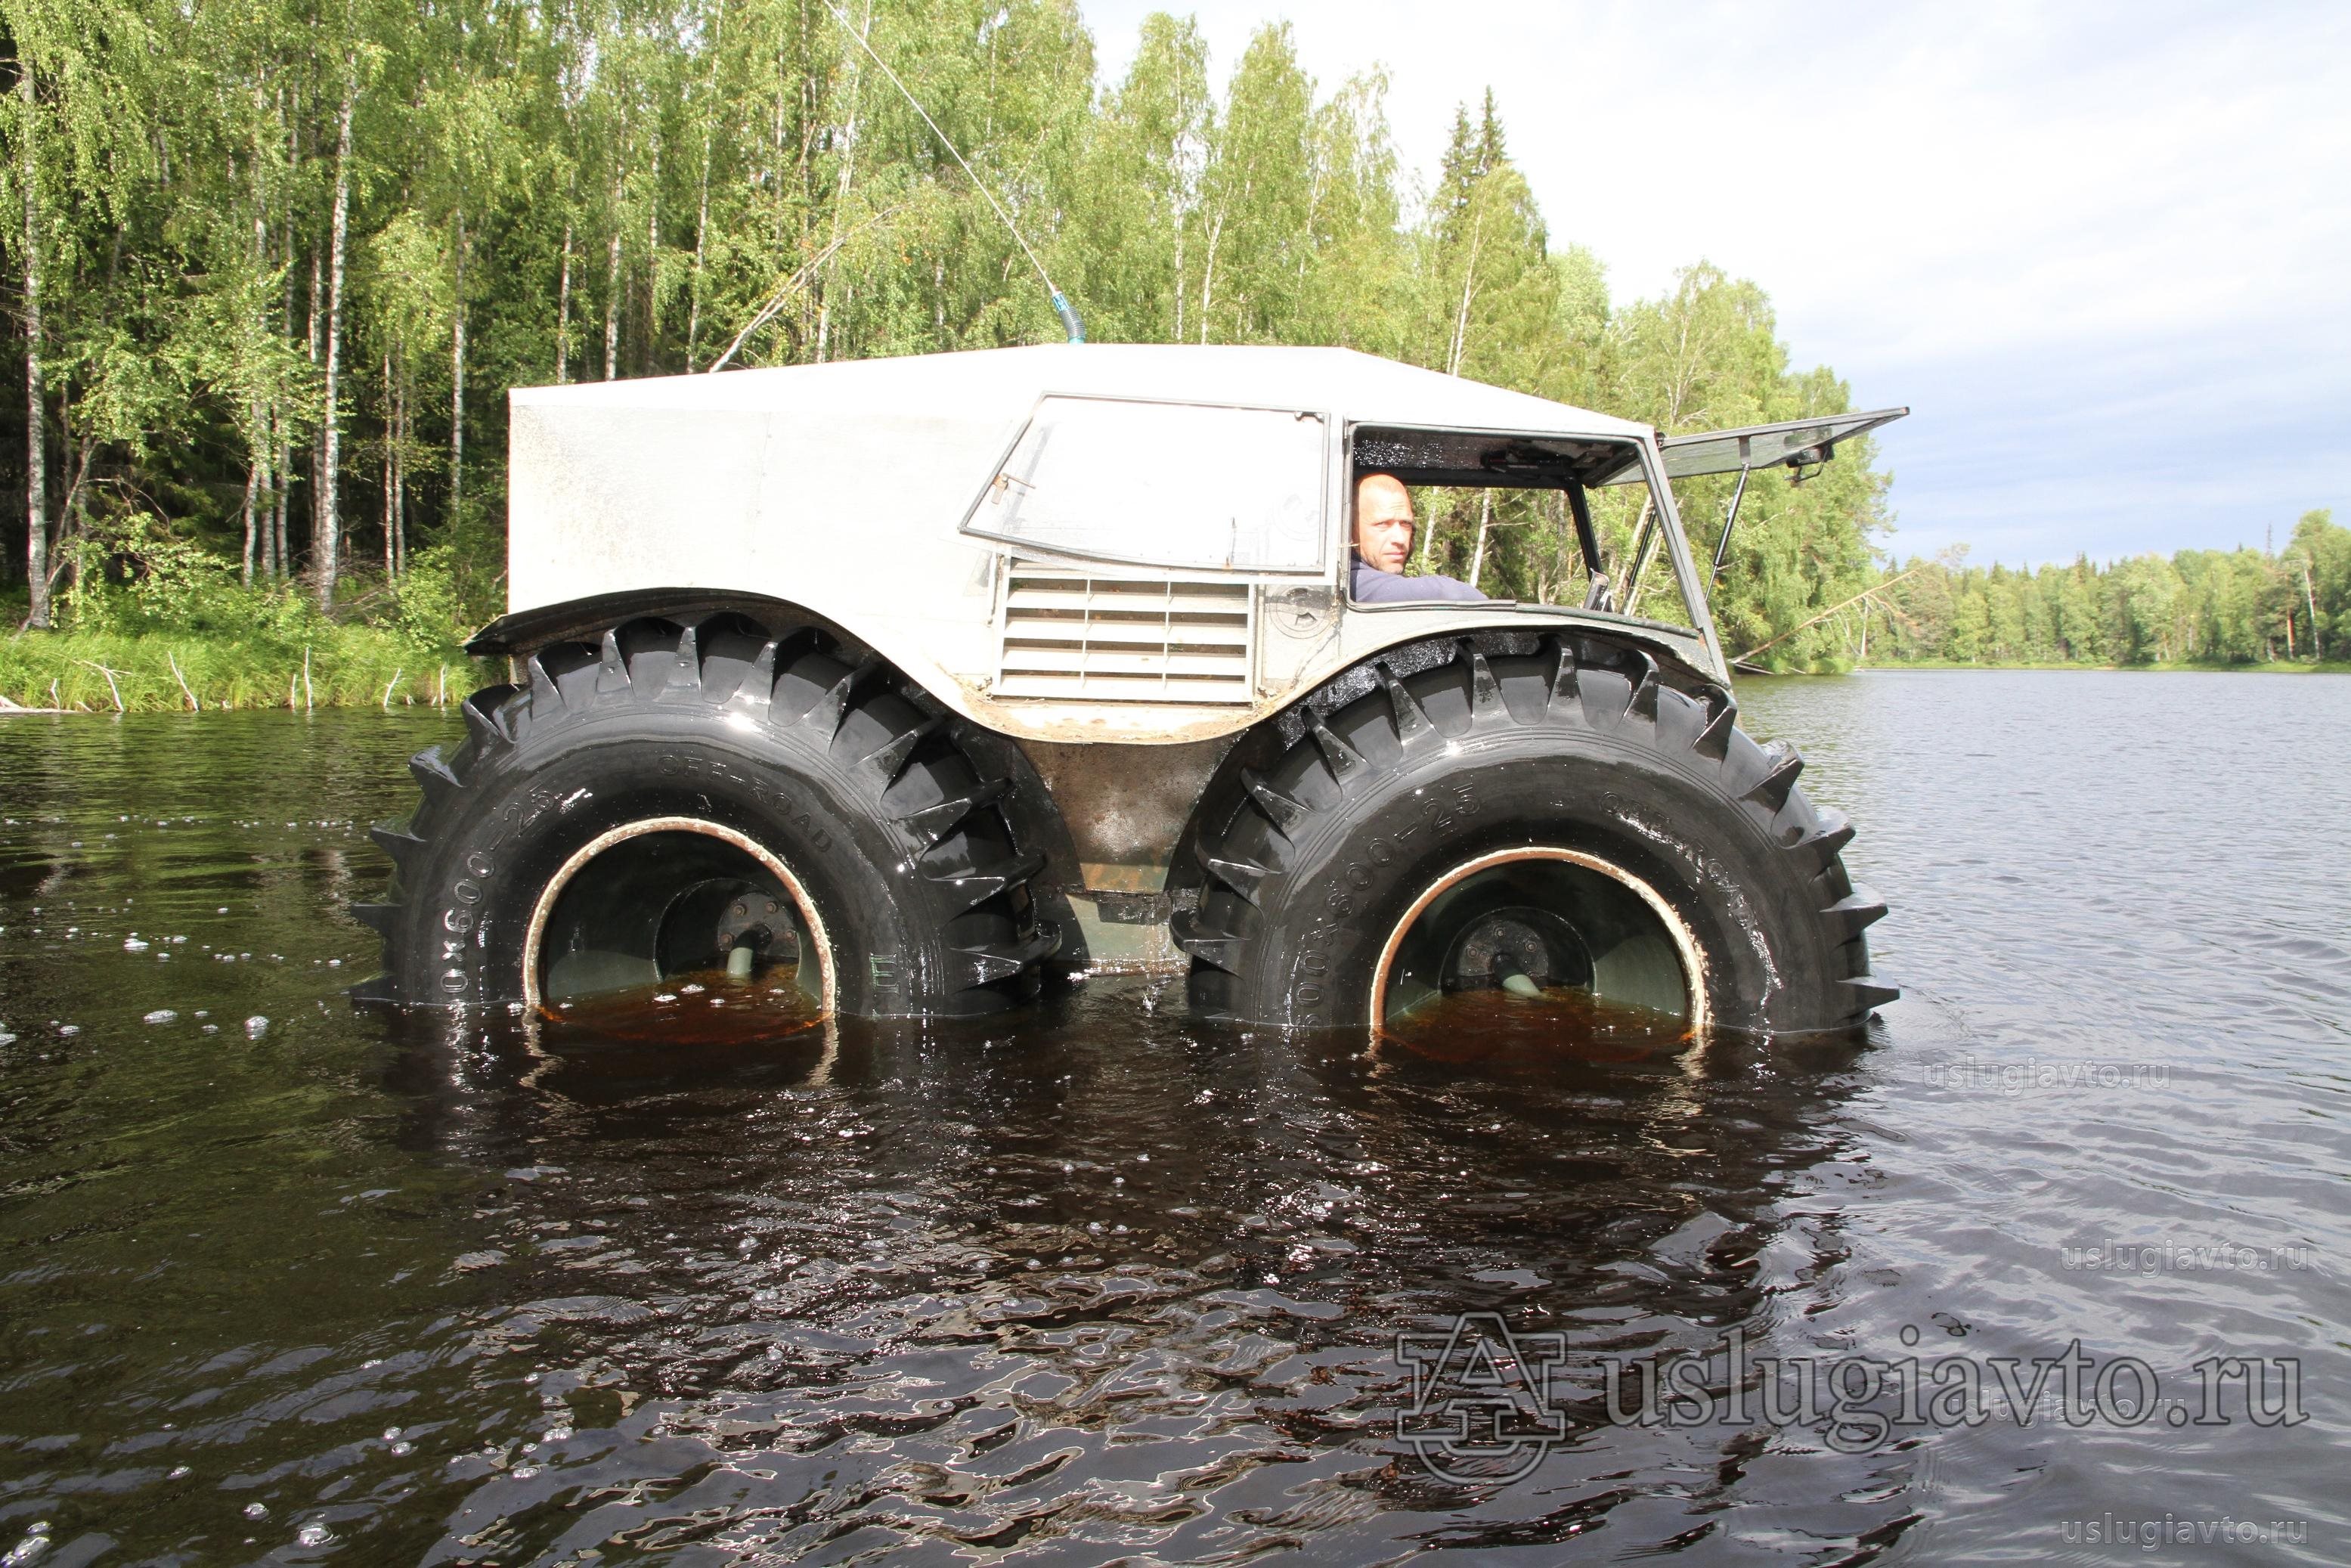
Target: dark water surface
<point>1111,1286</point>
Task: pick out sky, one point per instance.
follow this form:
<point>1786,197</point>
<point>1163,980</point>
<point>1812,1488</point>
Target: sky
<point>2102,251</point>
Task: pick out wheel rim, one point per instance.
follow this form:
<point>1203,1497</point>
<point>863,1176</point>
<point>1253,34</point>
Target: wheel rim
<point>669,895</point>
<point>1559,920</point>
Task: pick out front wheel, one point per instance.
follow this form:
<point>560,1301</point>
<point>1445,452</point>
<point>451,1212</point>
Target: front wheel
<point>692,800</point>
<point>1538,823</point>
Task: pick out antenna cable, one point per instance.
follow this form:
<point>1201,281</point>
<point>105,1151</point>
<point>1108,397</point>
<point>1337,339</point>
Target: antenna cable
<point>1061,306</point>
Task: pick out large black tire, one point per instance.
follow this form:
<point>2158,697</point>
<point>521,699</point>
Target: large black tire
<point>821,759</point>
<point>1304,873</point>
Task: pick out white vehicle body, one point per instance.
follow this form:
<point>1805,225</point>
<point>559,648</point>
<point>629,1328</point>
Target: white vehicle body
<point>1119,559</point>
<point>864,493</point>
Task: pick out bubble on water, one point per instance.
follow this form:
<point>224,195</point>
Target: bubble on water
<point>212,1029</point>
<point>221,910</point>
<point>256,1510</point>
<point>691,989</point>
<point>334,963</point>
<point>404,1448</point>
<point>26,1549</point>
<point>664,996</point>
<point>179,1473</point>
<point>163,1015</point>
<point>525,1472</point>
<point>203,1012</point>
<point>1094,1226</point>
<point>6,1038</point>
<point>313,1534</point>
<point>256,1026</point>
<point>1143,1159</point>
<point>392,1434</point>
<point>1068,1169</point>
<point>132,945</point>
<point>178,939</point>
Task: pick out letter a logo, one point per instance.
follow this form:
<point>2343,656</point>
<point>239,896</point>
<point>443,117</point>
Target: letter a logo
<point>1481,1412</point>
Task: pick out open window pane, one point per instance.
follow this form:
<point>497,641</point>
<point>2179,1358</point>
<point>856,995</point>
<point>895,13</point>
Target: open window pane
<point>1632,541</point>
<point>1181,486</point>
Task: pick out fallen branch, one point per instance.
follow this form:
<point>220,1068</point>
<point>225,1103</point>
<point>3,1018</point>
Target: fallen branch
<point>1824,615</point>
<point>387,690</point>
<point>193,705</point>
<point>109,675</point>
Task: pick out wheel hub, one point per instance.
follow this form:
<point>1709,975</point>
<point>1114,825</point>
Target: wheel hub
<point>1541,920</point>
<point>1521,941</point>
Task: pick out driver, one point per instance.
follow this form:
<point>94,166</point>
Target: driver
<point>1384,528</point>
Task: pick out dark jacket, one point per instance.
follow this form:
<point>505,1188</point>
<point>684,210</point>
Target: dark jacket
<point>1367,584</point>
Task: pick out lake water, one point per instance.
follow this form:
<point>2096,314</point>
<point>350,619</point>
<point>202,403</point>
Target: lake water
<point>1102,1284</point>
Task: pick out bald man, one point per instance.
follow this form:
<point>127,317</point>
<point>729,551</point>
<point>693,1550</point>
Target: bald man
<point>1384,528</point>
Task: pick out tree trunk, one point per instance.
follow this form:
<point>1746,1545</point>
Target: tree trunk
<point>252,505</point>
<point>328,530</point>
<point>1208,274</point>
<point>612,302</point>
<point>400,466</point>
<point>391,424</point>
<point>36,445</point>
<point>457,387</point>
<point>2317,647</point>
<point>1485,518</point>
<point>1468,290</point>
<point>841,192</point>
<point>702,209</point>
<point>653,263</point>
<point>563,314</point>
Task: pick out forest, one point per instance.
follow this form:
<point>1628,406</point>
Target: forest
<point>2200,607</point>
<point>274,263</point>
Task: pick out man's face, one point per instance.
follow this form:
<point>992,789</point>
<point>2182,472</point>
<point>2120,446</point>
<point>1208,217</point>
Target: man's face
<point>1384,522</point>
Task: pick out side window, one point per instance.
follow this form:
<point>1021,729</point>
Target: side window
<point>1183,486</point>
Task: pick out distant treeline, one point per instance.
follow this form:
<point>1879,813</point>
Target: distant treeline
<point>281,262</point>
<point>2209,607</point>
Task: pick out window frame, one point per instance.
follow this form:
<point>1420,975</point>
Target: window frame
<point>1010,544</point>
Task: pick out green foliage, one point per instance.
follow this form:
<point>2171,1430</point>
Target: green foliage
<point>587,188</point>
<point>2200,607</point>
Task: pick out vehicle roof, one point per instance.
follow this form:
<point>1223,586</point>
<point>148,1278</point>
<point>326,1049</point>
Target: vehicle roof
<point>997,384</point>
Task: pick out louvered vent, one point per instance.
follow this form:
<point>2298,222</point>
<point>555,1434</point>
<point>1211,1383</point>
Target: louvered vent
<point>1079,637</point>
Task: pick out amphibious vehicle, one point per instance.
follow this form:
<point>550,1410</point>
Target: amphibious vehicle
<point>915,678</point>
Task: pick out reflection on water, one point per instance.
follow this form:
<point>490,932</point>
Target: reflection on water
<point>706,1280</point>
<point>1554,1027</point>
<point>696,1008</point>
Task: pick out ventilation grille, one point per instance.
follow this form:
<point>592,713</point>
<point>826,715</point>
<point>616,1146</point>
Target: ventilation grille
<point>1076,637</point>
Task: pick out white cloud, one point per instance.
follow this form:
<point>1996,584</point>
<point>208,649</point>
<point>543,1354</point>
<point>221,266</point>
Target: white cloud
<point>2102,249</point>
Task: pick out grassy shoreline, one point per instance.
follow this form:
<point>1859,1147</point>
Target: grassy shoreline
<point>2280,667</point>
<point>373,666</point>
<point>159,671</point>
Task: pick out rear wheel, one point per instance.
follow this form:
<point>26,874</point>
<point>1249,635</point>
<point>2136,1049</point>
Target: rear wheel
<point>686,798</point>
<point>1560,823</point>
